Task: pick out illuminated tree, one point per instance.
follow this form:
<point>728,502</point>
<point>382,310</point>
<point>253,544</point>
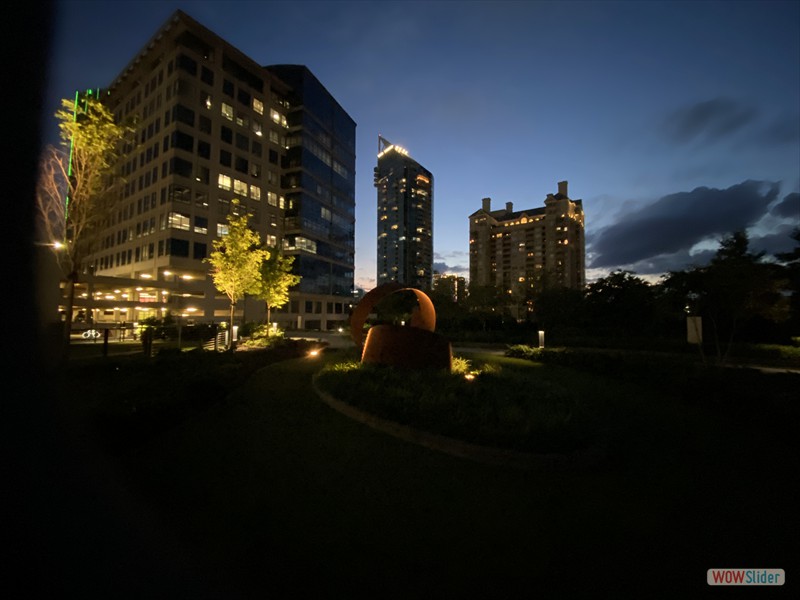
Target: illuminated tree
<point>75,188</point>
<point>276,278</point>
<point>236,259</point>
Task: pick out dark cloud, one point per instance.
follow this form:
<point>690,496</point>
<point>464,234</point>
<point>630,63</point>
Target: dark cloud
<point>788,207</point>
<point>443,268</point>
<point>779,241</point>
<point>676,222</point>
<point>676,261</point>
<point>708,121</point>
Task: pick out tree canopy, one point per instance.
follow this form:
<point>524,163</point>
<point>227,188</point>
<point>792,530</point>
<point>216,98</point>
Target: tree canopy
<point>275,279</point>
<point>735,286</point>
<point>77,177</point>
<point>236,259</point>
<point>76,180</point>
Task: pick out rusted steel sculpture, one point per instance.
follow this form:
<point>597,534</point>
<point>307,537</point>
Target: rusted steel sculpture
<point>414,346</point>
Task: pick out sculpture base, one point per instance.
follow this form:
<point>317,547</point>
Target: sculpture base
<point>406,347</point>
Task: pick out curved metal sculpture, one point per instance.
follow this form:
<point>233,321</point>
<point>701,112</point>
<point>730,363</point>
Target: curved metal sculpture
<point>413,346</point>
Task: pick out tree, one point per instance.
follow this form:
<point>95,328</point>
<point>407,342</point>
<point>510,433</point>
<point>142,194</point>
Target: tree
<point>621,301</point>
<point>485,302</point>
<point>734,287</point>
<point>560,309</point>
<point>74,190</point>
<point>275,279</point>
<point>236,259</point>
<point>791,263</point>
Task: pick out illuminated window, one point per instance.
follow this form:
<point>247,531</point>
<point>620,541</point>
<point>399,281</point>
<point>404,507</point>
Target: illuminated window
<point>258,106</point>
<point>257,128</point>
<point>227,111</point>
<point>179,221</point>
<point>272,198</point>
<point>271,240</point>
<point>278,117</point>
<point>255,192</point>
<point>301,243</point>
<point>239,187</point>
<point>224,182</point>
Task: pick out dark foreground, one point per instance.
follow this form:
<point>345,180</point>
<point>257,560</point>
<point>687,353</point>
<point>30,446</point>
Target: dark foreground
<point>271,494</point>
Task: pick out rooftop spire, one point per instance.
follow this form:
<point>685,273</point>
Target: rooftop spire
<point>383,143</point>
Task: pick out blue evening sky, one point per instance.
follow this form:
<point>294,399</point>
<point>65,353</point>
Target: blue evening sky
<point>675,122</point>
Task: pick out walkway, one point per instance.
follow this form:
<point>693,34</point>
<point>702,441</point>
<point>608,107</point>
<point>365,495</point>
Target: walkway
<point>277,491</point>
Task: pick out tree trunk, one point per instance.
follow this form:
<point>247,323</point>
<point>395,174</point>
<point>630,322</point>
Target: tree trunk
<point>230,327</point>
<point>72,279</point>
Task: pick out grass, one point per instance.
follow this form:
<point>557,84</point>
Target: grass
<point>270,492</point>
<point>507,403</point>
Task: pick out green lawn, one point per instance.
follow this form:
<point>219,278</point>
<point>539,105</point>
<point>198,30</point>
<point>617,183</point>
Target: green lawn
<point>271,493</point>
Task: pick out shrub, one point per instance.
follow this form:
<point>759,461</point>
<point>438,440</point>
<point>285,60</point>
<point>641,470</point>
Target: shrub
<point>460,366</point>
<point>514,408</point>
<point>263,336</point>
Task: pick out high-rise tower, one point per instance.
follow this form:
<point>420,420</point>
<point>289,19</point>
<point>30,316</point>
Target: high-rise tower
<point>524,251</point>
<point>405,218</point>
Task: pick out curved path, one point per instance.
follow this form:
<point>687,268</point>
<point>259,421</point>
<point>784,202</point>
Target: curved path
<point>483,454</point>
<point>280,496</point>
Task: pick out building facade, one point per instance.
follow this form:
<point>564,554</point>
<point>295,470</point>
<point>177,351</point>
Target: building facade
<point>454,286</point>
<point>217,133</point>
<point>318,182</point>
<point>405,218</point>
<point>521,252</point>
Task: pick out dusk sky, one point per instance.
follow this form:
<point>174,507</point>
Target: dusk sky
<point>676,122</point>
